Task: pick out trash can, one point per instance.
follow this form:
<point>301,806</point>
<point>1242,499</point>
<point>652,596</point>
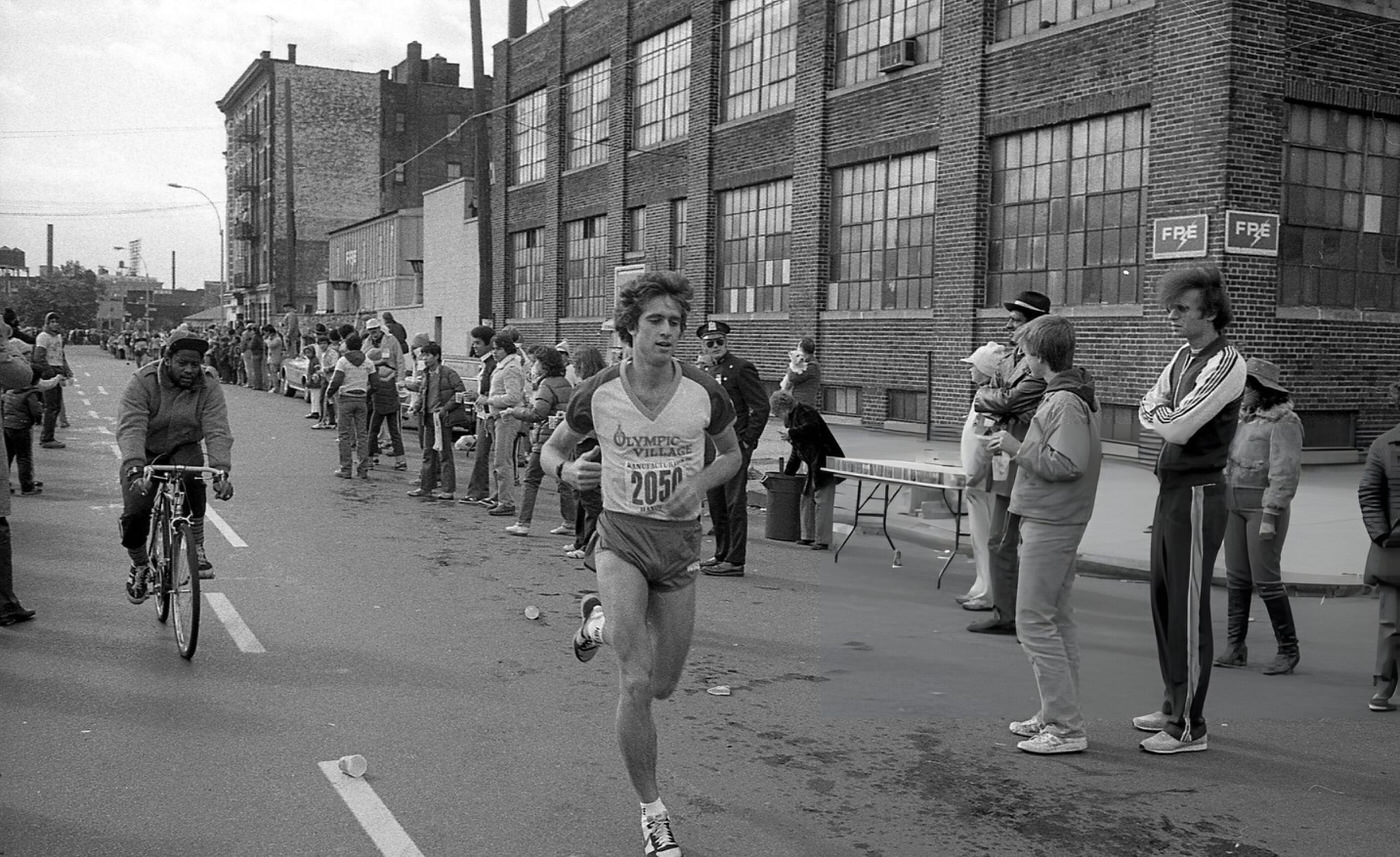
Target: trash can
<point>784,506</point>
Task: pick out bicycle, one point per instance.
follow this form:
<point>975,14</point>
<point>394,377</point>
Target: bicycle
<point>174,565</point>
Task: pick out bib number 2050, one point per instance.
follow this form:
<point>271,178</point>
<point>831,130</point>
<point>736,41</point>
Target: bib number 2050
<point>654,486</point>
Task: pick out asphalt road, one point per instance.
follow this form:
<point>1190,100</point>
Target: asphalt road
<point>864,722</point>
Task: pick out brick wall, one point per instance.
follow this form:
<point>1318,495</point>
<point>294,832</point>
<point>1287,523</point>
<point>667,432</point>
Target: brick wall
<point>1216,78</point>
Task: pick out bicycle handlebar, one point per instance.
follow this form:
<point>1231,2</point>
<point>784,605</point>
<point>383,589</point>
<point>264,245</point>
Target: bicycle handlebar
<point>184,470</point>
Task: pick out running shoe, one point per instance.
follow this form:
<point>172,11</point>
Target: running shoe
<point>1027,728</point>
<point>1163,744</point>
<point>585,648</point>
<point>657,835</point>
<point>562,530</point>
<point>1154,722</point>
<point>1047,743</point>
<point>136,584</point>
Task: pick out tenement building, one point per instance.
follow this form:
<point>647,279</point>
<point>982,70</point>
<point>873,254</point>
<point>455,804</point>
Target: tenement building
<point>883,174</point>
<point>312,150</point>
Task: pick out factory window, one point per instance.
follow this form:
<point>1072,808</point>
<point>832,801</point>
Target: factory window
<point>760,50</point>
<point>755,256</point>
<point>661,97</point>
<point>528,138</point>
<point>1068,211</point>
<point>586,271</point>
<point>906,406</point>
<point>454,170</point>
<point>871,33</point>
<point>589,90</point>
<point>1339,245</point>
<point>634,231</point>
<point>527,299</point>
<point>882,234</point>
<point>1019,17</point>
<point>678,234</point>
<point>841,401</point>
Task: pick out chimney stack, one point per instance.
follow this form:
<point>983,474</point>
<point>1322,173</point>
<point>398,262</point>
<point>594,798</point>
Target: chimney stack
<point>291,53</point>
<point>49,257</point>
<point>515,21</point>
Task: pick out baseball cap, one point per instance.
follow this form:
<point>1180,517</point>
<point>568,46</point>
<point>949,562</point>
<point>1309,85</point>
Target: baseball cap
<point>184,340</point>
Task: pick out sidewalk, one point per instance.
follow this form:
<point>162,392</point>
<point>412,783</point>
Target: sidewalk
<point>1324,552</point>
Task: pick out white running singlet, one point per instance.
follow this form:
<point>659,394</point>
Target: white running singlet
<point>646,455</point>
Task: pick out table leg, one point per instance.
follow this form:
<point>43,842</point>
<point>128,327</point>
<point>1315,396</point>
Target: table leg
<point>957,540</point>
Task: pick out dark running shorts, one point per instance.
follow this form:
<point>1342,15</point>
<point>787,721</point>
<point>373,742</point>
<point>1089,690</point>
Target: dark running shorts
<point>666,552</point>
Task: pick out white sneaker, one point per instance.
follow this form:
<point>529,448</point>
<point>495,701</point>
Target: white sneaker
<point>1027,728</point>
<point>1154,722</point>
<point>660,841</point>
<point>518,529</point>
<point>1163,744</point>
<point>562,530</point>
<point>1047,743</point>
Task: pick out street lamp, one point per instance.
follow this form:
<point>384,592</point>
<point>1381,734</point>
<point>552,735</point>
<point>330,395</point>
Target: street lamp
<point>223,276</point>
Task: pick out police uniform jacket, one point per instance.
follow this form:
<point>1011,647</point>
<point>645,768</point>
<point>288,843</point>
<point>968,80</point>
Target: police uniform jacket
<point>739,378</point>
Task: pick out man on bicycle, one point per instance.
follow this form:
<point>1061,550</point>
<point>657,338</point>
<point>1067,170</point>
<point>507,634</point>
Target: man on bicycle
<point>170,406</point>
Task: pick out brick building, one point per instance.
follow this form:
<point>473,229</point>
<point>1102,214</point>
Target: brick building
<point>882,174</point>
<point>312,150</point>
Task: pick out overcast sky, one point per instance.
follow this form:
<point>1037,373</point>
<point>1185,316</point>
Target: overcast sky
<point>103,102</point>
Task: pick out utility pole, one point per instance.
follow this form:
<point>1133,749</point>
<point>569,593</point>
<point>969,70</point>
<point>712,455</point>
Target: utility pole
<point>481,126</point>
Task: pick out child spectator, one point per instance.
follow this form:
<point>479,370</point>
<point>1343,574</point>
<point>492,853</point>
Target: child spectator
<point>1054,497</point>
<point>349,389</point>
<point>24,407</point>
<point>384,407</point>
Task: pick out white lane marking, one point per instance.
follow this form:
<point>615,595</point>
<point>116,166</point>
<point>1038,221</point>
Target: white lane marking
<point>371,812</point>
<point>116,450</point>
<point>229,535</point>
<point>237,628</point>
<point>101,389</point>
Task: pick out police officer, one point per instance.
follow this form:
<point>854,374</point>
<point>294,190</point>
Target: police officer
<point>729,503</point>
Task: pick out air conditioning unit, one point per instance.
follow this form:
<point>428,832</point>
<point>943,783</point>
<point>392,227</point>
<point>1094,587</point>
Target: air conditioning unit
<point>898,55</point>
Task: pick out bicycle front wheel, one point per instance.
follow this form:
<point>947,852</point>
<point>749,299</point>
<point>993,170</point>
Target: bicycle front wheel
<point>156,551</point>
<point>184,590</point>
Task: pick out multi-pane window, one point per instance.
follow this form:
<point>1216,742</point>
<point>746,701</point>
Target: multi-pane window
<point>454,169</point>
<point>906,406</point>
<point>760,48</point>
<point>865,27</point>
<point>527,299</point>
<point>1069,210</point>
<point>661,96</point>
<point>678,237</point>
<point>1018,17</point>
<point>755,240</point>
<point>843,401</point>
<point>527,136</point>
<point>587,128</point>
<point>882,233</point>
<point>634,230</point>
<point>400,122</point>
<point>1339,245</point>
<point>399,174</point>
<point>586,271</point>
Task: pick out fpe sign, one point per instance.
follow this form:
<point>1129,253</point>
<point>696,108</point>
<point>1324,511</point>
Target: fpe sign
<point>1252,233</point>
<point>1180,237</point>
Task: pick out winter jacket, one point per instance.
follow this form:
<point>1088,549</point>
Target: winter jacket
<point>507,385</point>
<point>384,390</point>
<point>1379,496</point>
<point>351,375</point>
<point>157,417</point>
<point>1060,457</point>
<point>1009,403</point>
<point>1267,455</point>
<point>23,408</point>
<point>551,397</point>
<point>1195,406</point>
<point>812,444</point>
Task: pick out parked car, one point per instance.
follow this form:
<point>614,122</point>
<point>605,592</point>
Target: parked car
<point>291,377</point>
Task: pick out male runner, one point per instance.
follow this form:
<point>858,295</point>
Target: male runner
<point>650,415</point>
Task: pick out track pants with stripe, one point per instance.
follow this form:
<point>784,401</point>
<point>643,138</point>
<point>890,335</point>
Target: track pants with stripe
<point>1187,529</point>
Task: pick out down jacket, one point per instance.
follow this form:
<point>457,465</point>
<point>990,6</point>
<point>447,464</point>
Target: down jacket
<point>1060,457</point>
<point>1379,495</point>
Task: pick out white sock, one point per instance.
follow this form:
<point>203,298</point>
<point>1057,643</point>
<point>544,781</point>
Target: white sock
<point>653,809</point>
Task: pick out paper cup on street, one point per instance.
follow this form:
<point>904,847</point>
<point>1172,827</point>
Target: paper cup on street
<point>354,765</point>
<point>532,612</point>
<point>719,690</point>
